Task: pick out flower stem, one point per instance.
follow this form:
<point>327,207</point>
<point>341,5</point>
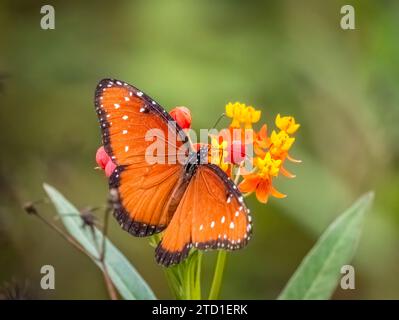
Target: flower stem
<point>196,289</point>
<point>188,282</point>
<point>218,275</point>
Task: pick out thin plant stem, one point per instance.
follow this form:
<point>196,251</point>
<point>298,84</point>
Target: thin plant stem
<point>65,236</point>
<point>218,275</point>
<point>105,230</point>
<point>237,178</point>
<point>108,282</point>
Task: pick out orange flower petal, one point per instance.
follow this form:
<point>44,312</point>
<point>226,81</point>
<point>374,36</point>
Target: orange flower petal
<point>259,151</point>
<point>262,192</point>
<point>262,134</point>
<point>276,193</point>
<point>286,173</point>
<point>292,159</point>
<point>249,184</point>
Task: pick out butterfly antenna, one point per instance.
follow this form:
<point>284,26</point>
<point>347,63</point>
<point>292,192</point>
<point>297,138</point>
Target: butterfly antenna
<point>218,120</point>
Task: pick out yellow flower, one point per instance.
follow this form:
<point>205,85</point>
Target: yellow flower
<point>261,181</point>
<point>287,124</point>
<point>219,153</point>
<point>242,114</point>
<point>280,143</point>
<point>268,166</point>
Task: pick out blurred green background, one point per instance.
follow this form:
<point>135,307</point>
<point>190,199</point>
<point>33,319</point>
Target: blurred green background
<point>288,57</point>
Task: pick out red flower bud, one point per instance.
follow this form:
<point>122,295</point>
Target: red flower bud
<point>109,168</point>
<point>102,157</point>
<point>236,152</point>
<point>104,161</point>
<point>182,116</point>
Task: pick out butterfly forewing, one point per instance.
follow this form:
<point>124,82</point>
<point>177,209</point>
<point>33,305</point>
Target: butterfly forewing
<point>126,115</point>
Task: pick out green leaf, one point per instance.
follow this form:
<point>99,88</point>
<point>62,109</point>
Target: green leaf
<point>125,277</point>
<point>318,274</point>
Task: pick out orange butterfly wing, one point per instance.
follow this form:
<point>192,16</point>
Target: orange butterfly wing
<point>211,215</point>
<point>126,114</point>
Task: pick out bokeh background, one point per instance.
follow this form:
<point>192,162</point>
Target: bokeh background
<point>288,57</point>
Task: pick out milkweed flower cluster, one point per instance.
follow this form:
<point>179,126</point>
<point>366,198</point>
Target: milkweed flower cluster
<point>269,151</point>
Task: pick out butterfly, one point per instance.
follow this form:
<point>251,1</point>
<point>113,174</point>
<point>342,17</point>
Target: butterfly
<point>195,203</point>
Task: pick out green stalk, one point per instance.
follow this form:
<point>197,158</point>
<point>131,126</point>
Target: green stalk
<point>218,275</point>
<point>173,281</point>
<point>196,288</point>
<point>187,282</point>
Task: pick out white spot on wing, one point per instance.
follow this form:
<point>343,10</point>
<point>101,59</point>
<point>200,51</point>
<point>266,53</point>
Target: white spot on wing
<point>124,132</point>
<point>212,224</point>
<point>223,219</point>
<point>139,93</point>
<point>125,117</point>
<point>232,225</point>
<point>201,227</point>
<point>117,105</point>
<point>126,148</point>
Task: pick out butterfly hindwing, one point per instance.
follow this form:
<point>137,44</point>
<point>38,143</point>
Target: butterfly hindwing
<point>126,115</point>
<point>211,215</point>
<point>224,221</point>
